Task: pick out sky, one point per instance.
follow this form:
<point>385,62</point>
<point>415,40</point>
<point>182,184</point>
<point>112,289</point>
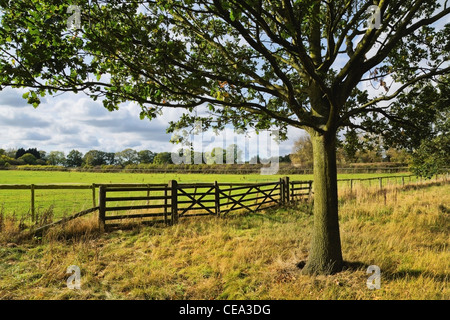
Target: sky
<point>73,121</point>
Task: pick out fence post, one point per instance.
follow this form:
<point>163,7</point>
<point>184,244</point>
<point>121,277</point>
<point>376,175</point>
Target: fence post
<point>351,185</point>
<point>101,207</point>
<point>282,195</point>
<point>403,181</point>
<point>94,204</point>
<point>310,190</point>
<point>381,183</point>
<point>165,206</point>
<point>217,198</point>
<point>33,209</point>
<point>287,189</point>
<point>173,185</point>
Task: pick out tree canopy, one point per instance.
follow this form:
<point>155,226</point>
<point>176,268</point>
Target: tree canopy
<point>256,63</point>
<point>251,63</point>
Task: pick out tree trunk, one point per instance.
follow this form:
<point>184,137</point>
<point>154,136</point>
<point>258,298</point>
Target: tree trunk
<point>325,256</point>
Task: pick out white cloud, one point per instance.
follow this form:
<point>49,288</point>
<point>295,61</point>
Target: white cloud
<point>21,118</point>
<point>34,136</point>
<point>71,121</point>
<point>12,98</point>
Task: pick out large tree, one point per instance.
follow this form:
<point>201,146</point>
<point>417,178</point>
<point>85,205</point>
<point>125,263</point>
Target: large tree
<point>56,158</point>
<point>126,157</point>
<point>254,63</point>
<point>302,152</point>
<point>98,158</point>
<point>163,158</point>
<point>74,159</point>
<point>146,156</point>
<point>432,156</point>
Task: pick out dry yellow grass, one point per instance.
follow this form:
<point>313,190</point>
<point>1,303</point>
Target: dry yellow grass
<point>253,256</point>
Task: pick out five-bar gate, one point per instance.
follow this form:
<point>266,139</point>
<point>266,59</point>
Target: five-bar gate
<point>166,203</point>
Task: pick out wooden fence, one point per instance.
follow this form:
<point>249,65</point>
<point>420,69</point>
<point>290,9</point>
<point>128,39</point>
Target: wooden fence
<point>139,206</point>
<point>166,203</point>
<point>34,187</point>
<point>174,201</point>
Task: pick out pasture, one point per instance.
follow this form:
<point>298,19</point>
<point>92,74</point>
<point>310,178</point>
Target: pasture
<point>244,256</point>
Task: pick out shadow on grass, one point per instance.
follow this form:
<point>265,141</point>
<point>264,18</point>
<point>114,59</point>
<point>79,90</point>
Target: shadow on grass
<point>348,265</point>
<point>354,266</point>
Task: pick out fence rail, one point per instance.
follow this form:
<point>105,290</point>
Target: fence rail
<point>214,199</point>
<point>166,203</point>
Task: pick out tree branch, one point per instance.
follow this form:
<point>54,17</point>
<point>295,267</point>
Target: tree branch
<point>365,107</point>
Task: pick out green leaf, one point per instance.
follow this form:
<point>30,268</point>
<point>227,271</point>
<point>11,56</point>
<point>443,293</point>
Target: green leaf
<point>235,14</point>
<point>232,15</point>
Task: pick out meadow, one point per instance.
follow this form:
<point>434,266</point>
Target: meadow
<point>244,256</point>
<point>74,177</point>
<point>59,203</point>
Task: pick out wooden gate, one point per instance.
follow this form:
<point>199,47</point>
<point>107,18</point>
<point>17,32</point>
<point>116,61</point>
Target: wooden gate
<point>249,197</point>
<point>199,198</point>
<point>166,203</point>
<point>148,203</point>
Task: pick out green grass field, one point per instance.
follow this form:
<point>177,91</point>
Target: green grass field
<point>48,177</point>
<point>244,256</point>
<point>66,202</point>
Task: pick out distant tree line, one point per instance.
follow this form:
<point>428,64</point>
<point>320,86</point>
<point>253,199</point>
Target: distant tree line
<point>352,149</point>
<point>75,158</point>
<point>124,158</point>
